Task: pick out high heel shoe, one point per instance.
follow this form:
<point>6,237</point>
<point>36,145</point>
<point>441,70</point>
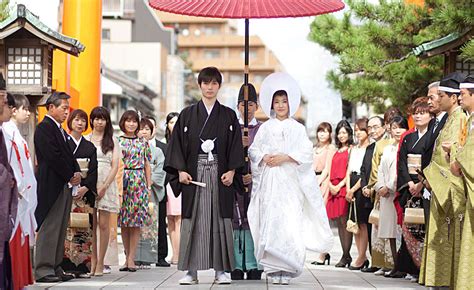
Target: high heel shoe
<point>344,262</point>
<point>326,258</point>
<point>364,265</point>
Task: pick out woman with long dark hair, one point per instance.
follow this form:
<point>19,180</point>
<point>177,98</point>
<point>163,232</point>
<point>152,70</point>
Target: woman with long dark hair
<point>173,205</point>
<point>337,206</point>
<point>361,204</point>
<point>107,201</point>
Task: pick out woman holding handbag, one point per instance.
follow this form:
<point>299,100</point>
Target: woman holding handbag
<point>360,204</point>
<point>78,244</point>
<point>337,206</point>
<point>386,186</point>
<point>409,186</point>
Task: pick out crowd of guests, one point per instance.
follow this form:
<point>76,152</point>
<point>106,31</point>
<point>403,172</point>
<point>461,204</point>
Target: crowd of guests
<point>67,201</point>
<point>381,167</point>
<point>403,193</point>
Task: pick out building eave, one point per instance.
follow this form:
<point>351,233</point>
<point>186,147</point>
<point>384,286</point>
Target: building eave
<point>21,17</point>
<point>447,43</point>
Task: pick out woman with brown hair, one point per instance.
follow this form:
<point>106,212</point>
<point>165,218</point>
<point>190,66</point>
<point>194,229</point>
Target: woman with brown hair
<point>411,188</point>
<point>322,156</point>
<point>133,215</point>
<point>79,240</point>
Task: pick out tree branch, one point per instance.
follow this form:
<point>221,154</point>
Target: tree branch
<point>390,61</point>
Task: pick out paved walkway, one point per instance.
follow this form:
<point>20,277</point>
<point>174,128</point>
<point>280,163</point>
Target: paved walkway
<point>314,277</point>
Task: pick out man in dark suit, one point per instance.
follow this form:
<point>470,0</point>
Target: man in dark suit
<point>434,127</point>
<point>162,234</point>
<point>58,172</point>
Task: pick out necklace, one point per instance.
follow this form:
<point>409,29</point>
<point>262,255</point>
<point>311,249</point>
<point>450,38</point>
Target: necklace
<point>319,150</point>
<point>95,141</point>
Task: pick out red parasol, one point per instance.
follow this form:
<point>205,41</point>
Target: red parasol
<point>247,9</point>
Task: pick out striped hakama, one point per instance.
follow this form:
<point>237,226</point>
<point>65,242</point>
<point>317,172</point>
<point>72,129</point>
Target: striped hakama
<point>206,237</point>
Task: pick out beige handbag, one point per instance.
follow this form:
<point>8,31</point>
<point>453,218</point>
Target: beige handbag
<point>79,220</point>
<point>413,163</point>
<point>414,215</point>
<point>375,214</point>
<point>352,226</point>
<point>84,165</point>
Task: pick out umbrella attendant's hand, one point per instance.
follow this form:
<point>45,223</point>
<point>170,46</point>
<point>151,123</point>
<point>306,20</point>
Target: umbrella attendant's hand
<point>247,179</point>
<point>228,177</point>
<point>185,178</point>
<point>245,141</point>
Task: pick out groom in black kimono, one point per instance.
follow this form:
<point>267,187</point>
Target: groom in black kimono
<point>206,147</point>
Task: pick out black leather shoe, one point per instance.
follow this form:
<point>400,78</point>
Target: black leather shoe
<point>66,277</point>
<point>395,274</point>
<point>237,274</point>
<point>370,270</point>
<point>327,258</point>
<point>162,263</point>
<point>48,279</point>
<point>363,266</point>
<point>254,274</point>
<point>344,262</point>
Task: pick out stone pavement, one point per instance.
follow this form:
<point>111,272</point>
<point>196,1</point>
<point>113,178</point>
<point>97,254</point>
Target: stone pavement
<point>314,277</point>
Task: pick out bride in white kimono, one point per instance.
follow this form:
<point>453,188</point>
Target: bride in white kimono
<point>286,213</point>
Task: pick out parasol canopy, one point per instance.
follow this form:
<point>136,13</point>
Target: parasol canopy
<point>248,9</point>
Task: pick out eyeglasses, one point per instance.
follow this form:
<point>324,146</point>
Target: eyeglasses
<point>374,128</point>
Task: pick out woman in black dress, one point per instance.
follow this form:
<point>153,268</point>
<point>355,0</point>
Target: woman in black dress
<point>78,244</point>
<point>409,186</point>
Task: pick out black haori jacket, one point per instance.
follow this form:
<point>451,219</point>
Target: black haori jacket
<point>185,146</point>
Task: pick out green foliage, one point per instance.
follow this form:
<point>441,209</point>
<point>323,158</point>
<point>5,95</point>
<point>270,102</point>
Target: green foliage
<point>374,42</point>
<point>4,9</point>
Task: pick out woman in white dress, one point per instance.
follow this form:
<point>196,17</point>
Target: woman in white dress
<point>386,186</point>
<point>286,213</point>
<point>107,200</point>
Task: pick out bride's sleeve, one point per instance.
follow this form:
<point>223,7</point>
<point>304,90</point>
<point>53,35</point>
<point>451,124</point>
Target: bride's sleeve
<point>300,147</point>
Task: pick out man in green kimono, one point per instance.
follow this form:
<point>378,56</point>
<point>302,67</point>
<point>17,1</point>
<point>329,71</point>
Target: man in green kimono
<point>462,165</point>
<point>442,242</point>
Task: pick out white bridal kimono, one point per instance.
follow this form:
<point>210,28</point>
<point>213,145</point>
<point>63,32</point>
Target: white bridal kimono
<point>286,213</point>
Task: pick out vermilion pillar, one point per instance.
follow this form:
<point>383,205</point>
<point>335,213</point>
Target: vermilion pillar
<point>80,76</point>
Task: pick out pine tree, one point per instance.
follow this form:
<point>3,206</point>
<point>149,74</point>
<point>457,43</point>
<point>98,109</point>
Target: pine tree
<point>374,45</point>
<point>4,9</point>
